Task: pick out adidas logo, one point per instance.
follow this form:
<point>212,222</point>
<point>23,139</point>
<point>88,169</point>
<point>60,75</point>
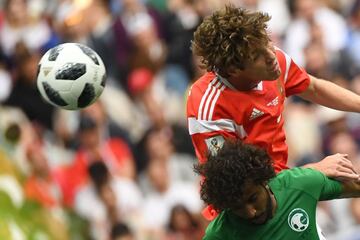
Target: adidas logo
<point>256,113</point>
<point>274,102</point>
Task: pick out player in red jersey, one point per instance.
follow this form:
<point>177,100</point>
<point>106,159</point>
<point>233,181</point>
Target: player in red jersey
<point>242,94</point>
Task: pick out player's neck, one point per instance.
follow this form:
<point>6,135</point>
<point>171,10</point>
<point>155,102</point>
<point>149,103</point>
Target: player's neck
<point>243,83</point>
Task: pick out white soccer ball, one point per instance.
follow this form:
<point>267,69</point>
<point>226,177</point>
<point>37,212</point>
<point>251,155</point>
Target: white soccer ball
<point>71,76</point>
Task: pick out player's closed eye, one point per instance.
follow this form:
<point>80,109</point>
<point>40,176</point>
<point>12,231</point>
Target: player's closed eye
<point>253,198</point>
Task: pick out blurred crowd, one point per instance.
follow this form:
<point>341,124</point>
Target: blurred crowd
<point>121,168</point>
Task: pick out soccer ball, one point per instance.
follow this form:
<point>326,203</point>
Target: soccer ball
<point>71,76</point>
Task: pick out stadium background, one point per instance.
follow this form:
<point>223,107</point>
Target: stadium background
<point>123,166</point>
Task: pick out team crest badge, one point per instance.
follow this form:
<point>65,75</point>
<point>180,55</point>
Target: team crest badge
<point>214,144</point>
<point>298,220</point>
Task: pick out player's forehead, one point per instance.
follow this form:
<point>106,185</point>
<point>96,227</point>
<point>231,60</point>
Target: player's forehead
<point>248,190</point>
<point>250,187</point>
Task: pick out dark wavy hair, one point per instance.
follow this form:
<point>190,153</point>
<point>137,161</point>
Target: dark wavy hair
<point>225,173</point>
<point>230,38</point>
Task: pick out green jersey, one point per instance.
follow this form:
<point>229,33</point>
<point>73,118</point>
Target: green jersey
<point>297,192</point>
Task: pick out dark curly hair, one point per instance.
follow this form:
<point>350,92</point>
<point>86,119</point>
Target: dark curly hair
<point>230,38</point>
<point>225,173</point>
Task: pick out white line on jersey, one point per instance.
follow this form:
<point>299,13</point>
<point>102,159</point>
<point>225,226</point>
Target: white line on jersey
<point>210,97</point>
<point>204,98</point>
<point>214,102</point>
<point>288,63</point>
<point>196,126</point>
<point>273,102</point>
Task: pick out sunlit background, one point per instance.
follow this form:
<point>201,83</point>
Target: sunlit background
<point>122,168</point>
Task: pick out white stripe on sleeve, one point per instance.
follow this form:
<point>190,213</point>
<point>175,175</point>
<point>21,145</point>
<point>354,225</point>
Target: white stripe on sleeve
<point>202,126</point>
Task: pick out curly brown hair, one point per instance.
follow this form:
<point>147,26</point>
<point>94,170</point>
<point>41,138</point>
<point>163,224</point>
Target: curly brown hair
<point>230,38</point>
<point>225,173</point>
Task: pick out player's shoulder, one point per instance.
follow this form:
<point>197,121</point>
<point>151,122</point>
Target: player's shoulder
<point>299,177</point>
<point>200,85</point>
<point>283,58</point>
<point>217,229</point>
<point>204,96</point>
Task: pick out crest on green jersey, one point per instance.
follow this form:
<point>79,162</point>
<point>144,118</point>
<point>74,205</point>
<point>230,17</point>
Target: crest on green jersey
<point>298,220</point>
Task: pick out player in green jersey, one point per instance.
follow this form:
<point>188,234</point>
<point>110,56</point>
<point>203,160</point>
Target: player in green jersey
<point>255,203</point>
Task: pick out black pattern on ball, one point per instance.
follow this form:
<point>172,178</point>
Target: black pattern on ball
<point>86,96</point>
<point>38,71</point>
<point>70,71</point>
<point>53,95</point>
<point>54,53</point>
<point>103,80</point>
<point>89,52</point>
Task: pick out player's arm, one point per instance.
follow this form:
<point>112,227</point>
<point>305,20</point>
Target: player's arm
<point>210,142</point>
<point>336,166</point>
<point>209,136</point>
<point>330,95</point>
<point>350,189</point>
<point>333,189</point>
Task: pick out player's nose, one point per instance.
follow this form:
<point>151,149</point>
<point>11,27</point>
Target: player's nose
<point>270,56</point>
<point>250,211</point>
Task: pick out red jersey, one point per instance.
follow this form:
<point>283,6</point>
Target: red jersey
<point>215,109</point>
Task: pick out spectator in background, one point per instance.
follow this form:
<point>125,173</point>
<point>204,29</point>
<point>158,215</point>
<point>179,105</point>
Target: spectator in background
<point>158,145</point>
<point>19,27</point>
<point>149,48</point>
<point>66,124</point>
<point>332,122</point>
<point>183,225</point>
<point>107,199</point>
<point>40,186</point>
<point>309,14</point>
<point>317,61</point>
<point>130,21</point>
<point>24,93</point>
<point>339,217</point>
<point>71,20</point>
<point>280,16</point>
<point>180,23</point>
<point>165,194</point>
<point>115,153</point>
<point>5,78</point>
<point>121,231</point>
<point>108,128</point>
<point>154,103</point>
<point>103,39</point>
<point>350,61</point>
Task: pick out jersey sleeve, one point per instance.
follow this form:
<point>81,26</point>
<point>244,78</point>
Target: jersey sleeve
<point>314,183</point>
<point>207,137</point>
<point>208,134</point>
<point>296,79</point>
<point>215,230</point>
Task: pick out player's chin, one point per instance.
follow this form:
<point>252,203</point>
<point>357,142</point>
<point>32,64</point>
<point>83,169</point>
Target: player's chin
<point>273,75</point>
<point>262,219</point>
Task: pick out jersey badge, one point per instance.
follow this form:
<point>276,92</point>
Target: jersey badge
<point>298,220</point>
<point>214,144</point>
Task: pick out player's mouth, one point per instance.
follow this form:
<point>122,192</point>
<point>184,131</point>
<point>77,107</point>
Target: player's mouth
<point>274,67</point>
<point>259,219</point>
